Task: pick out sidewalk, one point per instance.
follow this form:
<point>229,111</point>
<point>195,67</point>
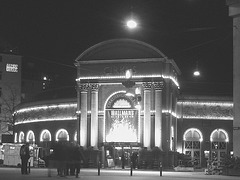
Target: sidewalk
<point>108,174</point>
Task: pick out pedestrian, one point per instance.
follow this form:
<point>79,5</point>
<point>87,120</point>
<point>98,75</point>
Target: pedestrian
<point>79,157</point>
<point>134,158</point>
<point>25,155</point>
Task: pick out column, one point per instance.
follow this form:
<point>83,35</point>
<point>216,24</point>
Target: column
<point>234,11</point>
<point>158,114</point>
<point>83,124</point>
<point>94,116</point>
<point>147,115</point>
<point>78,113</point>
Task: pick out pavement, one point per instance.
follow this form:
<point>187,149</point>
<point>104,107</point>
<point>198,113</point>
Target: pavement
<point>108,174</point>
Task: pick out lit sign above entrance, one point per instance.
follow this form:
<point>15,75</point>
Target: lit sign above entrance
<point>122,125</point>
<point>12,67</point>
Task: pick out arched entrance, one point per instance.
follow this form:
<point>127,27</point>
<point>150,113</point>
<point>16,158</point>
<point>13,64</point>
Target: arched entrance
<point>219,140</point>
<point>192,145</point>
<point>122,135</point>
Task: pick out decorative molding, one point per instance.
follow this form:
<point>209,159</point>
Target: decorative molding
<point>207,110</point>
<point>84,87</point>
<point>158,85</point>
<point>147,85</point>
<point>94,86</point>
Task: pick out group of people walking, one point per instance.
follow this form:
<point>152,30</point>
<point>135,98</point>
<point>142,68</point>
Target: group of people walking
<point>66,157</point>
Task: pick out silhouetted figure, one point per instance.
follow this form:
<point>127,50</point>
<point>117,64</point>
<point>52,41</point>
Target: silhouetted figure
<point>24,154</point>
<point>78,156</point>
<point>134,158</point>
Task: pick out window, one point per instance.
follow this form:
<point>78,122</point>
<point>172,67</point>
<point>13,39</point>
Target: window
<point>0,58</point>
<point>0,92</point>
<point>0,108</point>
<point>0,75</point>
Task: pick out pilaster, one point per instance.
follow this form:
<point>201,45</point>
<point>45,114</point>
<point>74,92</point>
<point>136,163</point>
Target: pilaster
<point>83,124</point>
<point>147,115</point>
<point>94,115</point>
<point>158,113</point>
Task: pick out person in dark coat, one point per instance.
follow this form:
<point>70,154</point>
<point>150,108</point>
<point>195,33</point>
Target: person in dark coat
<point>78,156</point>
<point>25,155</point>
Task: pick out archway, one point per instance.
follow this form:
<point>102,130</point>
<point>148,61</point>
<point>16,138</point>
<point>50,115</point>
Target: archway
<point>122,135</point>
<point>219,140</point>
<point>62,135</point>
<point>45,136</point>
<point>192,145</point>
<point>30,137</point>
<point>21,137</point>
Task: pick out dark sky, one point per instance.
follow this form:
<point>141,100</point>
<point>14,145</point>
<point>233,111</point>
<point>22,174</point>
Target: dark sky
<point>188,31</point>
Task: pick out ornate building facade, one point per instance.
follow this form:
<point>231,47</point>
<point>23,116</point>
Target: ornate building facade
<point>113,117</point>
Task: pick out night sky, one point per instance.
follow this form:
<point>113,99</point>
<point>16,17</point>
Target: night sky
<point>189,31</point>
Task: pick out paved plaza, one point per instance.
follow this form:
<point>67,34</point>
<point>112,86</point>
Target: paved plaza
<point>108,174</point>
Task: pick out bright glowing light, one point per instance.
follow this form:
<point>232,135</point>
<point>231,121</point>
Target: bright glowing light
<point>15,137</point>
<point>195,103</point>
<point>131,24</point>
<point>46,120</point>
<point>47,107</point>
<point>207,117</point>
<point>129,94</point>
<point>196,73</point>
<point>137,90</point>
<point>122,133</point>
<point>128,74</point>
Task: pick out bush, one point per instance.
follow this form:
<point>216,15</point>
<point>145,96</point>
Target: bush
<point>231,162</point>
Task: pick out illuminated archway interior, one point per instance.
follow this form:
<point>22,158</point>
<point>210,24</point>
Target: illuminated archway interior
<point>121,120</point>
<point>21,137</point>
<point>30,137</point>
<point>45,135</point>
<point>62,135</point>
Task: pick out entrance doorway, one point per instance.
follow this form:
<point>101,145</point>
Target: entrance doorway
<point>121,156</point>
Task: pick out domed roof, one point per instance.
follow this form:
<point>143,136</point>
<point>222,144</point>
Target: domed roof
<point>120,49</point>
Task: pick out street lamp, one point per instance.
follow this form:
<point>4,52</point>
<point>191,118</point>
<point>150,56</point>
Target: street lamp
<point>196,73</point>
<point>131,24</point>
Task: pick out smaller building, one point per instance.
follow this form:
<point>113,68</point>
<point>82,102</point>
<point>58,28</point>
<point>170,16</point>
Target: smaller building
<point>10,90</point>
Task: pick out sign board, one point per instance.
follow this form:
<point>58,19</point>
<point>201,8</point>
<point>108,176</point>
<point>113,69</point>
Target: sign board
<point>12,67</point>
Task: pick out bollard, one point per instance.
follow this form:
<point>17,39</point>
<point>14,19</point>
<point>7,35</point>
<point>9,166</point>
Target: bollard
<point>160,168</point>
<point>99,165</point>
<point>131,169</point>
<point>28,167</point>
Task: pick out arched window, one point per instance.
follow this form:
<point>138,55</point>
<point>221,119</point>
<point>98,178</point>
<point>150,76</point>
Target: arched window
<point>62,135</point>
<point>30,137</point>
<point>192,145</point>
<point>219,139</point>
<point>45,136</point>
<point>21,137</point>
